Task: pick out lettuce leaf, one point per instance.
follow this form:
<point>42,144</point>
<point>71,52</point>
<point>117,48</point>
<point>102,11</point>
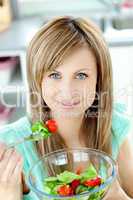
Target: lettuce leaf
<point>51,178</point>
<point>89,173</point>
<point>67,177</point>
<point>36,126</point>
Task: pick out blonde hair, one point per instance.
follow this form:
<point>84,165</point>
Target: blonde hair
<point>46,51</point>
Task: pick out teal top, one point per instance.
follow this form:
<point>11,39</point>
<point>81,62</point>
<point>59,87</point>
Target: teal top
<point>22,127</point>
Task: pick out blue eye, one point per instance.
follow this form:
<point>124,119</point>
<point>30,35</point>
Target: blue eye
<point>82,76</point>
<point>54,76</point>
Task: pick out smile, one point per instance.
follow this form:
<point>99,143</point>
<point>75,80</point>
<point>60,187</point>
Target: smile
<point>69,105</point>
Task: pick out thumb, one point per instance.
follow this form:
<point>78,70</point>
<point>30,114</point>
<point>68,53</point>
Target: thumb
<point>111,191</point>
<point>116,192</point>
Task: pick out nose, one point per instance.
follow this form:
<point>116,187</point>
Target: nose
<point>67,90</point>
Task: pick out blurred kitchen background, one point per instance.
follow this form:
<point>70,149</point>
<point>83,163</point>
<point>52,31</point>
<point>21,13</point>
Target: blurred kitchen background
<point>20,19</point>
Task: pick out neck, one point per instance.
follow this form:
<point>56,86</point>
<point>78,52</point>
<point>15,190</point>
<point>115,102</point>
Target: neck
<point>69,128</point>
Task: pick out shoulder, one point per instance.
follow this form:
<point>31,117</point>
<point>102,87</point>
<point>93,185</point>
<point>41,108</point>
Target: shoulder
<point>17,129</point>
<point>121,126</point>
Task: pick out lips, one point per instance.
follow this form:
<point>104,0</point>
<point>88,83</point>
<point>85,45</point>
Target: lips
<point>69,104</point>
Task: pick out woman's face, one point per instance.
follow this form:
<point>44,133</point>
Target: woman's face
<point>70,89</point>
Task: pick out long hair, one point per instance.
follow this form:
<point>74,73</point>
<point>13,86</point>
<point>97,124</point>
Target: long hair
<point>46,51</point>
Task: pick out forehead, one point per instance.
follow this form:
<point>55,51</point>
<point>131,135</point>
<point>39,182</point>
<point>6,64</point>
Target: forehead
<point>80,58</point>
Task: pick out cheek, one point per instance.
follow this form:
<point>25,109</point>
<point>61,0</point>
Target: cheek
<point>89,93</point>
<point>91,96</point>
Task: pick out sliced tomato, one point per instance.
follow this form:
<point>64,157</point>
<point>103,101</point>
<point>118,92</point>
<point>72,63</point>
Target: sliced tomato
<point>93,182</point>
<point>65,190</point>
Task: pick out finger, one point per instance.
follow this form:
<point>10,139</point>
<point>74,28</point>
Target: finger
<point>17,173</point>
<point>12,162</point>
<point>4,161</point>
<point>115,192</point>
<point>2,149</point>
<point>108,193</point>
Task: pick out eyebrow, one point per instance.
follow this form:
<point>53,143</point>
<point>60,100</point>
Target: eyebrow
<point>75,72</point>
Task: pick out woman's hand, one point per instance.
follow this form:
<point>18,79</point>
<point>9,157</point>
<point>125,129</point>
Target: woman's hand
<point>116,192</point>
<point>11,164</point>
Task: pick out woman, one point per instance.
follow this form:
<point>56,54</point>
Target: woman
<point>70,80</point>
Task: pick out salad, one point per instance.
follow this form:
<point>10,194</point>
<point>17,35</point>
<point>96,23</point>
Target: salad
<point>67,184</point>
<point>42,130</point>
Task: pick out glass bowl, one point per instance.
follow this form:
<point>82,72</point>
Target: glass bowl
<point>74,159</point>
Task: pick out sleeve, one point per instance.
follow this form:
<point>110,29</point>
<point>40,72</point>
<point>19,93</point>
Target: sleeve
<point>121,126</point>
<point>11,133</point>
<point>7,134</point>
